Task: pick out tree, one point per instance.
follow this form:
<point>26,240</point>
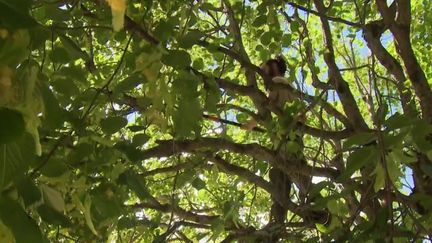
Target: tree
<point>121,121</point>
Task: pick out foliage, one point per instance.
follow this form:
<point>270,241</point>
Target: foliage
<point>120,121</point>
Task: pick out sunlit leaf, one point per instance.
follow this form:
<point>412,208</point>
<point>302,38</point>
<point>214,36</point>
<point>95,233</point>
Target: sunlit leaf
<point>358,159</point>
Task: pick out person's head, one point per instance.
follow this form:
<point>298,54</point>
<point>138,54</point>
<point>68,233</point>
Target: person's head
<point>275,67</point>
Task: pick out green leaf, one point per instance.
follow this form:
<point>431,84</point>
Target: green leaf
<point>399,156</point>
<point>213,96</point>
<point>393,170</point>
<point>426,168</point>
<point>16,219</point>
<point>52,216</point>
<point>359,159</point>
<point>317,188</point>
<point>54,167</point>
<point>56,14</point>
<point>191,38</point>
<point>209,6</point>
<point>15,158</point>
<point>186,86</point>
<point>177,59</point>
<point>12,125</point>
<point>106,204</point>
<point>53,114</point>
<point>188,115</point>
<point>129,150</point>
<point>86,210</point>
<point>15,14</point>
<point>112,125</point>
<point>140,139</point>
<point>187,118</point>
<point>198,64</point>
<point>128,84</point>
<point>65,86</point>
<point>53,198</point>
<point>39,35</point>
<point>419,132</point>
<point>14,49</point>
<point>397,121</point>
<point>295,26</point>
<point>262,166</point>
<point>379,178</point>
<point>28,191</point>
<point>127,223</point>
<point>136,183</point>
<point>72,48</point>
<point>337,207</point>
<point>135,128</point>
<point>198,183</point>
<point>260,21</point>
<point>292,147</point>
<point>60,55</point>
<point>266,38</point>
<point>164,30</point>
<point>321,228</point>
<point>358,140</point>
<point>391,140</point>
<point>286,40</point>
<point>184,178</point>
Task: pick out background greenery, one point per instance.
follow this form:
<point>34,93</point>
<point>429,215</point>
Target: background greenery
<point>102,134</point>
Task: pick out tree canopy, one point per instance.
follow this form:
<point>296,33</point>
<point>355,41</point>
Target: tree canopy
<point>129,121</point>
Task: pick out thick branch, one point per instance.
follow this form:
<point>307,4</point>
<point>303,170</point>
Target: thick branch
<point>242,173</point>
<point>310,98</point>
<point>400,29</point>
<point>341,86</point>
<point>372,34</point>
<point>319,133</point>
<point>170,147</point>
<point>180,212</point>
<point>173,168</point>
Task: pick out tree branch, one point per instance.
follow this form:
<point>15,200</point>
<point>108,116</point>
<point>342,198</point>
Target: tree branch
<point>322,15</point>
<point>372,34</point>
<point>400,29</point>
<point>349,104</point>
<point>241,172</point>
<point>180,212</point>
<point>170,147</point>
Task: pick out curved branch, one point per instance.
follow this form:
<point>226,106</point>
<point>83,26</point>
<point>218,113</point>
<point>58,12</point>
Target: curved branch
<point>170,147</point>
<point>372,34</point>
<point>180,212</point>
<point>240,109</point>
<point>242,173</point>
<point>319,14</point>
<point>316,132</point>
